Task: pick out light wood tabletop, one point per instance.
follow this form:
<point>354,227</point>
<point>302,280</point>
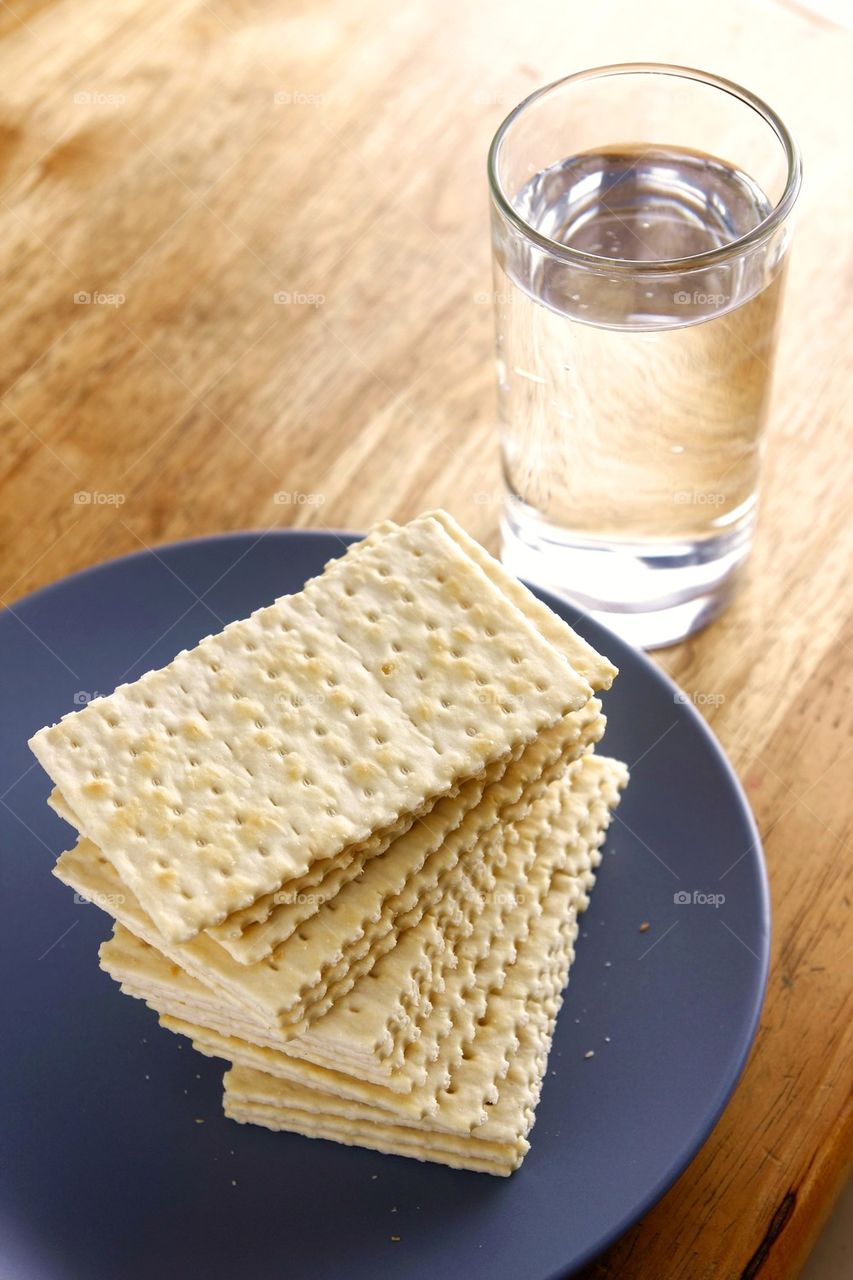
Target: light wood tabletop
<point>244,254</point>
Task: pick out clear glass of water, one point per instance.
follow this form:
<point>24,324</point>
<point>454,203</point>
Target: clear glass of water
<point>640,230</point>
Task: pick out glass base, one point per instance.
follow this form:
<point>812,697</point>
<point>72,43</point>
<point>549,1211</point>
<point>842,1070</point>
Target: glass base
<point>651,593</point>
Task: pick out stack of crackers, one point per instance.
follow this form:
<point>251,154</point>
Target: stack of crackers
<point>346,841</point>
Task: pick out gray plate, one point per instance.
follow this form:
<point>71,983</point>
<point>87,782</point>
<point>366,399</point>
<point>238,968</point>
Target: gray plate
<point>106,1172</point>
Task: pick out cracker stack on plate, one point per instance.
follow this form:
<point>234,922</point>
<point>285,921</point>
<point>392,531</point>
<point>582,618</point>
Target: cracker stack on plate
<point>346,841</point>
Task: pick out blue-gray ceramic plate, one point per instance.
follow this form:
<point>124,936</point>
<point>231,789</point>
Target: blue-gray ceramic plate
<point>107,1171</point>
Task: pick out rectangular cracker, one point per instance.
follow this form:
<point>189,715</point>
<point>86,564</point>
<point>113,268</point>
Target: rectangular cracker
<point>338,1043</point>
<point>361,1022</point>
<point>519,1033</point>
<point>124,946</point>
<point>254,1097</point>
<point>295,982</point>
<point>144,973</point>
<point>390,1139</point>
<point>304,894</point>
<point>249,940</point>
<point>219,777</point>
<point>480,984</point>
<point>378,1021</point>
<point>125,958</point>
<point>437,1148</point>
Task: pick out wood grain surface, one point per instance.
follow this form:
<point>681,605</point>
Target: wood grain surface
<point>190,166</point>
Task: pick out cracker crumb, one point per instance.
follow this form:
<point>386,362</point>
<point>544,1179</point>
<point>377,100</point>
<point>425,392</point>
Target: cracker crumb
<point>590,1053</point>
<point>373,1177</point>
<point>395,1238</point>
<point>233,1182</point>
<point>644,926</point>
<point>199,1121</point>
<point>607,964</point>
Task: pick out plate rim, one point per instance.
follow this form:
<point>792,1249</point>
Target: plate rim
<point>559,606</point>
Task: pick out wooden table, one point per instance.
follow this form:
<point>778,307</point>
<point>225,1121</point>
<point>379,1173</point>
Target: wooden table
<point>188,166</point>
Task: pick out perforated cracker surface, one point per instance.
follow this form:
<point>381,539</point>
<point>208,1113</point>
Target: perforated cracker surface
<point>309,726</point>
<point>517,1027</point>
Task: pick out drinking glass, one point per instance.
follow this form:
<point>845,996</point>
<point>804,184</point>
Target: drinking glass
<point>640,231</point>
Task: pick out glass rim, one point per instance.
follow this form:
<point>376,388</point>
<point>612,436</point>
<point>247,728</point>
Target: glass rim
<point>759,233</point>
